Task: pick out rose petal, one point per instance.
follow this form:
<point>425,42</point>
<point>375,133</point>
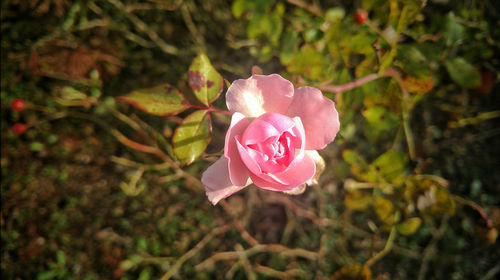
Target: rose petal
<point>320,166</point>
<point>296,176</point>
<point>318,115</point>
<point>283,176</point>
<point>260,94</point>
<point>217,182</point>
<point>297,190</point>
<point>237,170</point>
<point>281,122</point>
<point>259,131</point>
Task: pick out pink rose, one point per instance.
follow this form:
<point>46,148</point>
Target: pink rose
<point>273,137</point>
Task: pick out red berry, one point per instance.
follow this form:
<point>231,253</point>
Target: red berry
<point>361,16</point>
<point>18,105</point>
<point>19,128</point>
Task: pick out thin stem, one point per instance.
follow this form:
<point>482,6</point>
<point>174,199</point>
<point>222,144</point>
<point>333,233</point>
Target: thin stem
<point>189,254</point>
<point>350,85</point>
<point>386,250</point>
<point>476,206</point>
<point>406,107</point>
<point>261,248</point>
<point>209,109</point>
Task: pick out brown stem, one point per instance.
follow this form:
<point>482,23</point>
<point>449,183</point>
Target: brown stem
<point>189,254</point>
<point>350,85</point>
<point>476,206</point>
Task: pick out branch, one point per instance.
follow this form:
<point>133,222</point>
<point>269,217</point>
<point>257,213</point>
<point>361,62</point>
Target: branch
<point>140,25</point>
<point>430,250</point>
<point>189,254</point>
<point>313,9</point>
<point>261,248</point>
<point>289,274</point>
<point>476,206</point>
<point>387,247</point>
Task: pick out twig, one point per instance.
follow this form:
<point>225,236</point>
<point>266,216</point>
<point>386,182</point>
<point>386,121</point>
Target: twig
<point>430,250</point>
<point>476,206</point>
<point>244,262</point>
<point>139,24</point>
<point>129,163</point>
<point>492,272</point>
<point>406,107</point>
<point>261,248</point>
<point>195,33</point>
<point>385,251</point>
<point>350,85</point>
<point>302,212</point>
<point>289,274</point>
<point>313,9</point>
<point>189,254</point>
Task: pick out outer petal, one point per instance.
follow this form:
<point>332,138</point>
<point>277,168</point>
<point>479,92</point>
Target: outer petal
<point>296,176</point>
<point>237,170</point>
<point>320,166</point>
<point>217,182</point>
<point>260,94</point>
<point>318,115</point>
<point>297,190</point>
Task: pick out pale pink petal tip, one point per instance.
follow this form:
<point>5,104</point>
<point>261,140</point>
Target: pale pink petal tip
<point>217,183</point>
<point>318,115</point>
<point>260,94</point>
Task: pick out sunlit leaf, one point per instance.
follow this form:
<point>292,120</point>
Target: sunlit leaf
<point>380,118</point>
<point>259,24</point>
<point>409,226</point>
<point>192,137</point>
<point>383,208</point>
<point>357,200</point>
<point>204,80</point>
<point>463,73</point>
<point>418,85</point>
<point>444,203</point>
<point>308,62</point>
<point>353,157</point>
<point>162,100</point>
<point>240,6</point>
<point>334,14</point>
<point>391,165</point>
<point>352,271</point>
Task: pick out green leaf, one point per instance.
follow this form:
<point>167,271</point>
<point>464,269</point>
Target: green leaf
<point>192,136</point>
<point>240,6</point>
<point>276,26</point>
<point>353,158</point>
<point>289,45</point>
<point>308,62</point>
<point>463,73</point>
<point>380,118</point>
<point>391,165</point>
<point>161,100</point>
<point>334,14</point>
<point>357,200</point>
<point>36,146</point>
<point>204,80</point>
<point>409,226</point>
<point>383,208</point>
<point>452,30</point>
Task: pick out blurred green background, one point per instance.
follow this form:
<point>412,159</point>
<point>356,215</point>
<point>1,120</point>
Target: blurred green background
<point>413,170</point>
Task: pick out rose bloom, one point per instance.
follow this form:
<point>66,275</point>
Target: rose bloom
<point>272,140</point>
